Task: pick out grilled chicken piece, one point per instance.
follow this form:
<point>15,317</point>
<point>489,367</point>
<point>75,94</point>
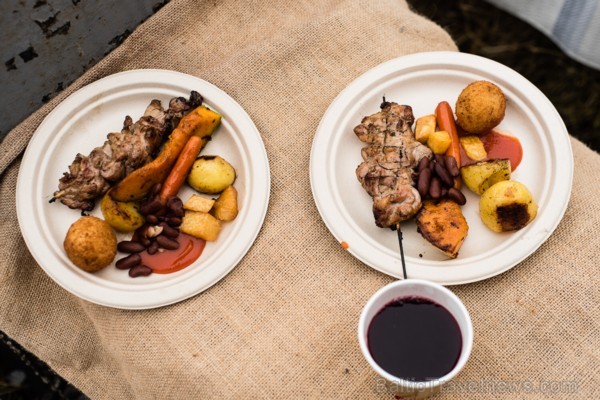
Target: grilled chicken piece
<point>90,177</point>
<point>443,225</point>
<point>386,173</point>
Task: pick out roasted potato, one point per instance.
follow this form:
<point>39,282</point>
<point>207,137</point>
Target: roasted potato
<point>90,244</point>
<point>480,107</point>
<point>226,206</point>
<point>439,141</point>
<point>480,176</point>
<point>211,174</point>
<point>201,225</point>
<point>123,216</point>
<point>473,147</point>
<point>198,203</point>
<point>507,206</point>
<point>424,127</point>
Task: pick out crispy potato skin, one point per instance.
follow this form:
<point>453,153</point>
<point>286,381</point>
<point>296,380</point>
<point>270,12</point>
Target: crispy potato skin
<point>91,244</point>
<point>480,107</point>
<point>443,225</point>
<point>507,206</point>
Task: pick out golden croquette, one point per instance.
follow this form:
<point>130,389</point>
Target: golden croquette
<point>91,244</point>
<point>480,107</point>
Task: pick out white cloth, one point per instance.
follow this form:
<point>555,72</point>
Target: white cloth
<point>574,25</point>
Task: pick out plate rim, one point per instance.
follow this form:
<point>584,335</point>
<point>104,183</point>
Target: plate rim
<point>420,61</point>
<point>181,289</point>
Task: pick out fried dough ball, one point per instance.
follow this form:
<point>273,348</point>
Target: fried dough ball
<point>480,107</point>
<point>91,244</point>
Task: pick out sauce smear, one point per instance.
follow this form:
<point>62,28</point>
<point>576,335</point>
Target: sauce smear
<point>167,261</point>
<point>498,145</point>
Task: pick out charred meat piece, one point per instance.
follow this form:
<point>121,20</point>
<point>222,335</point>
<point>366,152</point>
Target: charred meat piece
<point>90,177</point>
<point>386,172</point>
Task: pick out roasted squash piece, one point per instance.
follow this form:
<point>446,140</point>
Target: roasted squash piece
<point>201,122</point>
<point>443,225</point>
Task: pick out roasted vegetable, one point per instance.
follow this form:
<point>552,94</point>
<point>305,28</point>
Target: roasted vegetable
<point>480,176</point>
<point>180,170</point>
<point>473,147</point>
<point>424,127</point>
<point>443,225</point>
<point>122,216</point>
<point>211,174</point>
<point>226,206</point>
<point>201,225</point>
<point>198,203</point>
<point>200,122</point>
<point>507,206</point>
<point>445,121</point>
<point>439,141</point>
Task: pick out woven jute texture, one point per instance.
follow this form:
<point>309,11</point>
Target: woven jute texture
<point>283,323</point>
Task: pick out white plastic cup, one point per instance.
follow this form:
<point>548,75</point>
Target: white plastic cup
<point>399,387</point>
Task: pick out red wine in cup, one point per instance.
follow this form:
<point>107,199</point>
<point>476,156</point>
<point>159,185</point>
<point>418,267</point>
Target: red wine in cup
<point>415,339</point>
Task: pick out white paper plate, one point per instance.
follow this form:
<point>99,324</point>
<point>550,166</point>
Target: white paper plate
<point>80,123</point>
<point>422,81</point>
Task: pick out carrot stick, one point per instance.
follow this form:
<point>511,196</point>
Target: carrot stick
<point>181,168</point>
<point>445,122</point>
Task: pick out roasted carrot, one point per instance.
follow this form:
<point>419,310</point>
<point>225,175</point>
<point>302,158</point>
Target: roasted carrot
<point>182,167</point>
<point>445,122</point>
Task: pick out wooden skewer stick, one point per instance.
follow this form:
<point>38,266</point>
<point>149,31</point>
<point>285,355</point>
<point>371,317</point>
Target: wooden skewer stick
<point>399,231</point>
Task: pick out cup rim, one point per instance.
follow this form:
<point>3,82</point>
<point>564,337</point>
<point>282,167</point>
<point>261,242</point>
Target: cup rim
<point>363,325</point>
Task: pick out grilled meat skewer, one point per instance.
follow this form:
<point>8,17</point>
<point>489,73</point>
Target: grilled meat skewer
<point>90,177</point>
<point>389,159</point>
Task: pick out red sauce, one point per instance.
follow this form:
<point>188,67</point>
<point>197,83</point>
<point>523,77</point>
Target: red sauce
<point>167,261</point>
<point>498,145</point>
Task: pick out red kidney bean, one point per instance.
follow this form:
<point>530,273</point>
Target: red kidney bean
<point>152,206</point>
<point>451,166</point>
<point>435,188</point>
<point>153,248</point>
<point>444,192</point>
<point>152,219</point>
<point>423,182</point>
<point>457,196</point>
<point>140,270</point>
<point>169,230</point>
<point>129,246</point>
<point>176,206</point>
<point>173,221</point>
<point>444,175</point>
<point>129,262</point>
<point>424,163</point>
<point>167,243</point>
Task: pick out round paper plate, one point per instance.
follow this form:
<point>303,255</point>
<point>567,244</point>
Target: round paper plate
<point>80,123</point>
<point>422,81</point>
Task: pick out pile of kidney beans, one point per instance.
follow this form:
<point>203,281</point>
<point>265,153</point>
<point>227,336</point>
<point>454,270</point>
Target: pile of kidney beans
<point>159,232</point>
<point>434,179</point>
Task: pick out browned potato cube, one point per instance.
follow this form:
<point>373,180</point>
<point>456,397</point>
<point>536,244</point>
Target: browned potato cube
<point>199,203</point>
<point>201,225</point>
<point>424,127</point>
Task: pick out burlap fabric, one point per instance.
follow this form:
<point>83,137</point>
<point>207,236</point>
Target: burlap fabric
<point>283,323</point>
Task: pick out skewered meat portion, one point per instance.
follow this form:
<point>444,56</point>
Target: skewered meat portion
<point>90,177</point>
<point>386,172</point>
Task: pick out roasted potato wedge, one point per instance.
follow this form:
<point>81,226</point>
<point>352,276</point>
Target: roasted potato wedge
<point>201,225</point>
<point>122,216</point>
<point>211,174</point>
<point>226,205</point>
<point>443,225</point>
<point>424,127</point>
<point>473,147</point>
<point>480,176</point>
<point>507,206</point>
<point>439,141</point>
<point>201,121</point>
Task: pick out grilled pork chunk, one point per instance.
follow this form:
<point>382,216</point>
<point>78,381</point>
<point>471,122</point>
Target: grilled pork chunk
<point>386,172</point>
<point>90,177</point>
